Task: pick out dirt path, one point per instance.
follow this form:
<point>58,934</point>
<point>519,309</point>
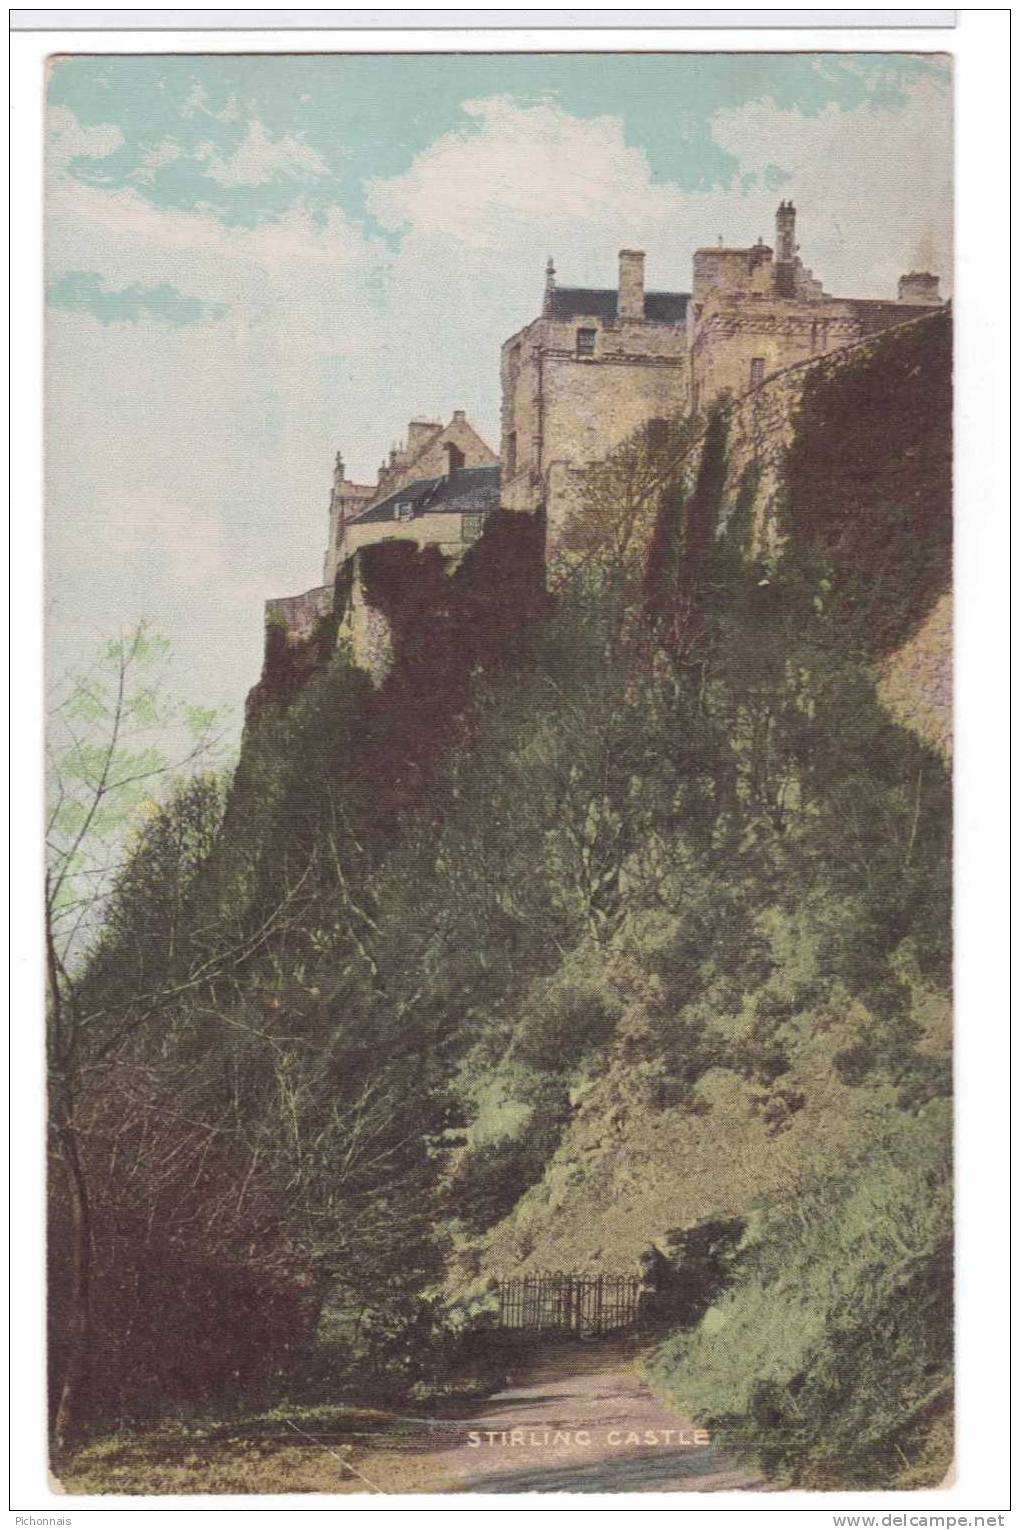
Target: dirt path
<point>580,1420</point>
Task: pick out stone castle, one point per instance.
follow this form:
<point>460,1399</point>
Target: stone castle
<point>595,366</point>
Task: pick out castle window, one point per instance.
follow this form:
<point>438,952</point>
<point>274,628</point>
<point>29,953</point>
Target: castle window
<point>511,454</point>
<point>404,510</point>
<point>757,370</point>
<point>586,342</point>
<point>471,527</point>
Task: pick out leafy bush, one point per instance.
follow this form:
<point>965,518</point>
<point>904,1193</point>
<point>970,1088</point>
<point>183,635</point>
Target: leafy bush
<point>829,1360</point>
<point>490,1178</point>
<point>681,1282</point>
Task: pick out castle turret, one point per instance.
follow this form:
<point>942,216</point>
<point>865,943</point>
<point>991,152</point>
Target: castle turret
<point>785,260</point>
<point>346,499</point>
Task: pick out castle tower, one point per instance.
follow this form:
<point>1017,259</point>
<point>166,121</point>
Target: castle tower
<point>346,500</point>
<point>785,261</point>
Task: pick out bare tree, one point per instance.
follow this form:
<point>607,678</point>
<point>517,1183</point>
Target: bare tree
<point>620,497</point>
<point>104,767</point>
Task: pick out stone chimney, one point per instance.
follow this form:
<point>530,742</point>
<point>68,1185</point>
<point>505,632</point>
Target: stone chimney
<point>631,302</point>
<point>919,287</point>
<point>418,432</point>
<point>550,285</point>
<point>786,233</point>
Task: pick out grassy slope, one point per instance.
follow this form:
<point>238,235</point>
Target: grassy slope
<point>626,1173</point>
<point>625,1176</point>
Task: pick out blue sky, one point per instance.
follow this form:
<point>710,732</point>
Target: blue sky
<point>364,118</point>
<point>253,261</point>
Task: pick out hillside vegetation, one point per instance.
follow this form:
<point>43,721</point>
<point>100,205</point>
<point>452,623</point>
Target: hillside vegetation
<point>608,914</point>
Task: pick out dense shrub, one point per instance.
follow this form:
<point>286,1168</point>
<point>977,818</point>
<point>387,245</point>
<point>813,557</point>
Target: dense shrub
<point>870,481</point>
<point>490,1178</point>
<point>829,1361</point>
<point>683,1279</point>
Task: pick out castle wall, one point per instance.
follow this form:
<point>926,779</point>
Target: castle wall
<point>300,614</point>
<point>575,384</point>
<point>349,499</point>
<point>367,630</point>
<point>521,381</point>
<point>761,428</point>
<point>734,271</point>
<point>779,333</point>
<point>448,532</point>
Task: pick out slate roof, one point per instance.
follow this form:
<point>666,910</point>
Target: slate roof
<point>600,302</point>
<point>465,491</point>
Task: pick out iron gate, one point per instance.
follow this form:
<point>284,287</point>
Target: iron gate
<point>577,1304</point>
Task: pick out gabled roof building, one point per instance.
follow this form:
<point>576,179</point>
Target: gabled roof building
<point>432,453</point>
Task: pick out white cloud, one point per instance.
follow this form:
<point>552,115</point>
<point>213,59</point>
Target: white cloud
<point>872,186</point>
<point>68,139</point>
<point>515,166</point>
<point>258,158</point>
<point>163,153</point>
<point>188,468</point>
<point>198,102</point>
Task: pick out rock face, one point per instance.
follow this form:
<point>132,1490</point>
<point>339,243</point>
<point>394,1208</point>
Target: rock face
<point>852,454</point>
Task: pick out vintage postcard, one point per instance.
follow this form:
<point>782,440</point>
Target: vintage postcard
<point>498,907</point>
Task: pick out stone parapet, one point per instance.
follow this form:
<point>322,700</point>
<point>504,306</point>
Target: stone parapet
<point>300,614</point>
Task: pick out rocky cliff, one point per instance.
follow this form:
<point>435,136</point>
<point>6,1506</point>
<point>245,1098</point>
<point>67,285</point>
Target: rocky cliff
<point>852,453</point>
